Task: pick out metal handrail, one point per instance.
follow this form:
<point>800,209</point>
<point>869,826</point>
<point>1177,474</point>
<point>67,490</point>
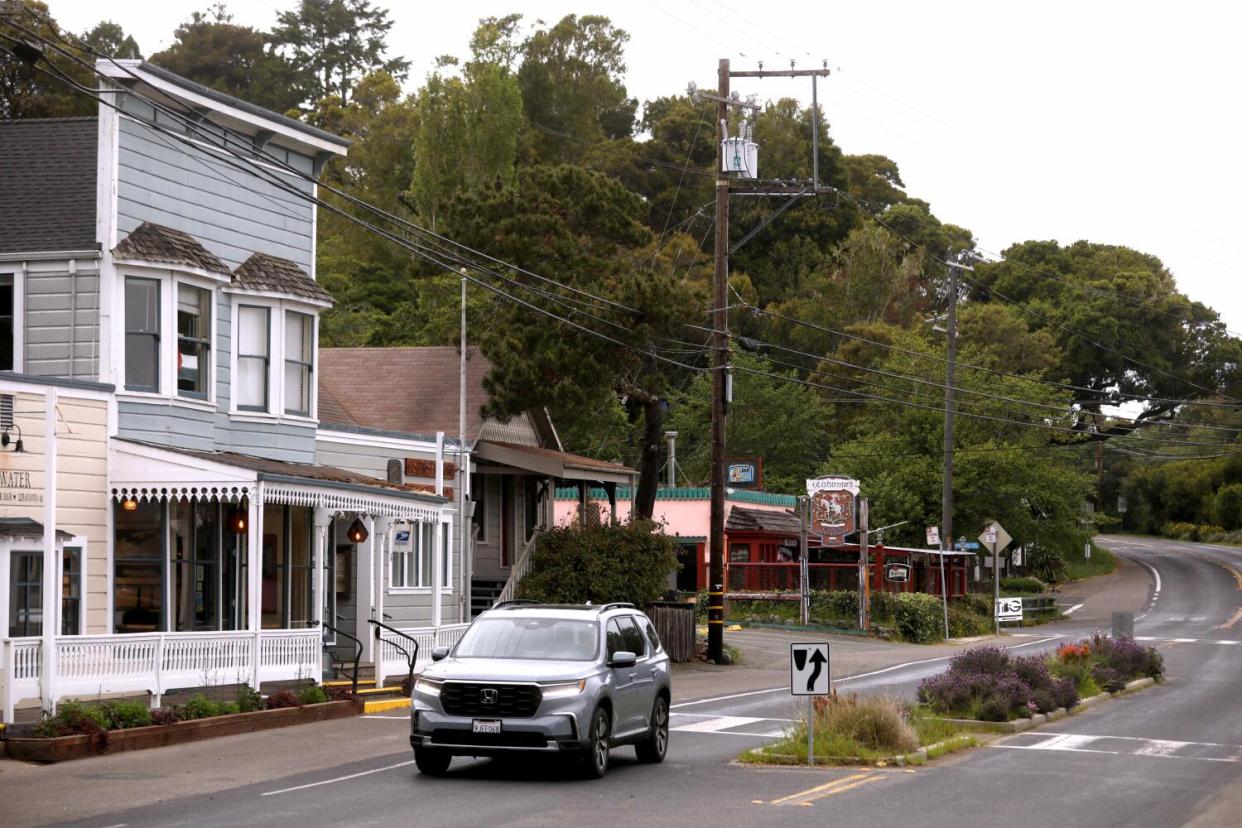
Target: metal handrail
<point>357,653</point>
<point>411,657</point>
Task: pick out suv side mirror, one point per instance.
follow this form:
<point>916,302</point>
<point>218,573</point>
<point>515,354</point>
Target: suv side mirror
<point>622,658</point>
<point>438,653</point>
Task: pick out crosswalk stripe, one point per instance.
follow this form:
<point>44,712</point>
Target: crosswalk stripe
<point>716,724</point>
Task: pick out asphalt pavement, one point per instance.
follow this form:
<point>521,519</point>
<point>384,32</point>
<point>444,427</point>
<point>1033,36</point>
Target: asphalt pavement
<point>1166,756</point>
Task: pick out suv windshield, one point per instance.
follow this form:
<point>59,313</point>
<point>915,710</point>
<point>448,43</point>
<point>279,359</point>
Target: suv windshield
<point>556,639</point>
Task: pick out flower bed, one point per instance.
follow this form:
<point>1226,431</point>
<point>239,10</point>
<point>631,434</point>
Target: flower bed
<point>988,684</point>
<point>79,729</point>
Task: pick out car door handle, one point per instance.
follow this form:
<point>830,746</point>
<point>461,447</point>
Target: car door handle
<point>633,675</point>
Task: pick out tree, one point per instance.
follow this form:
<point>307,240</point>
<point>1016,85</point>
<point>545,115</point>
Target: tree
<point>211,49</point>
<point>572,88</point>
<point>584,230</point>
<point>785,423</point>
<point>38,90</point>
<point>337,42</point>
<point>1120,324</point>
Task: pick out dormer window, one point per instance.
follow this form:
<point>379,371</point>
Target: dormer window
<point>193,341</point>
<point>299,353</point>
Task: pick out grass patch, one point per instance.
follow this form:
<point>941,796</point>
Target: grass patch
<point>1077,567</point>
<point>952,745</point>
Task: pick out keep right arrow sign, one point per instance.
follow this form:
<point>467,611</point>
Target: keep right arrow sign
<point>809,673</point>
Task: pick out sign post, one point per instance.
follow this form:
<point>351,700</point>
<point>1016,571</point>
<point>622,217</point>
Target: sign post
<point>809,676</point>
<point>804,570</point>
<point>995,538</point>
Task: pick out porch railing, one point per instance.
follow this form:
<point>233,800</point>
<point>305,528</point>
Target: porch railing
<point>390,660</point>
<point>520,567</point>
<point>92,665</point>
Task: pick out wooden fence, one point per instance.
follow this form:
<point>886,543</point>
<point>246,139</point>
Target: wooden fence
<point>674,623</point>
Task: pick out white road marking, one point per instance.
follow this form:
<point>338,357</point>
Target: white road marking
<point>717,724</point>
<point>381,716</point>
<point>728,697</point>
<point>1160,747</point>
<point>1157,748</point>
<point>339,778</point>
<point>1073,609</point>
<point>1156,592</point>
<point>715,715</point>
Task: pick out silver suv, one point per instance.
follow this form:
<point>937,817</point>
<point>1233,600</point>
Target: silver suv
<point>576,679</point>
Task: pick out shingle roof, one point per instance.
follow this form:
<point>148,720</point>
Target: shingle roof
<point>47,184</point>
<point>411,390</point>
<point>150,242</point>
<point>272,273</point>
<point>763,520</point>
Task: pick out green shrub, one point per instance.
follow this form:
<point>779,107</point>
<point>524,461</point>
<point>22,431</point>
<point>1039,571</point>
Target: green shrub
<point>281,698</point>
<point>964,623</point>
<point>626,562</point>
<point>126,714</point>
<point>72,718</point>
<point>311,694</point>
<point>918,617</point>
<point>1024,584</point>
<point>248,700</point>
<point>201,707</point>
<point>835,605</point>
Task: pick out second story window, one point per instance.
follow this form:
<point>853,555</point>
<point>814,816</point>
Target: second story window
<point>6,322</point>
<point>299,352</point>
<point>142,334</point>
<point>193,341</point>
<point>253,358</point>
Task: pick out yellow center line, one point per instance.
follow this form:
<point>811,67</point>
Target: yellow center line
<point>823,789</point>
<point>842,789</point>
<point>1237,576</point>
<point>1228,625</point>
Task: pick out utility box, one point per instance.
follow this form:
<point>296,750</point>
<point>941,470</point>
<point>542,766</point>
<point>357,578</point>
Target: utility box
<point>1123,625</point>
<point>740,155</point>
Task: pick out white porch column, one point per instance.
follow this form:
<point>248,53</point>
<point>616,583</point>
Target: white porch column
<point>254,578</point>
<point>323,519</point>
<point>364,580</point>
<point>437,576</point>
<point>51,581</point>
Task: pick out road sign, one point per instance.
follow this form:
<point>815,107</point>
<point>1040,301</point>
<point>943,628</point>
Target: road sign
<point>994,533</point>
<point>933,535</point>
<point>897,573</point>
<point>967,546</point>
<point>808,669</point>
<point>1017,555</point>
<point>1009,609</point>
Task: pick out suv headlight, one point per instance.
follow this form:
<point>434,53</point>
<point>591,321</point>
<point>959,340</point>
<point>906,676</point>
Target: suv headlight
<point>563,689</point>
<point>428,687</point>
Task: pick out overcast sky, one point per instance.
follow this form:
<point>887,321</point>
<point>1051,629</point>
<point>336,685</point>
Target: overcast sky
<point>1116,122</point>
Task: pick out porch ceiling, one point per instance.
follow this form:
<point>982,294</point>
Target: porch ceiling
<point>552,463</point>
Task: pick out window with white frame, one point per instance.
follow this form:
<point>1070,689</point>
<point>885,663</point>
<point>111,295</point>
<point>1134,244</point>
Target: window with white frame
<point>8,329</point>
<point>142,334</point>
<point>254,346</point>
<point>193,341</point>
<point>299,353</point>
<point>414,547</point>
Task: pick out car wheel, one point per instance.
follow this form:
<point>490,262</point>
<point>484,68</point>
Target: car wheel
<point>595,763</point>
<point>432,762</point>
<point>653,748</point>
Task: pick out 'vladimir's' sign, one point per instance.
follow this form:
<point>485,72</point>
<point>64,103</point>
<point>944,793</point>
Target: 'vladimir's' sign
<point>832,507</point>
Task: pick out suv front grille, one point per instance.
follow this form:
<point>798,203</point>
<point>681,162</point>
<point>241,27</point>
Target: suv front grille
<point>516,701</point>
<point>440,736</point>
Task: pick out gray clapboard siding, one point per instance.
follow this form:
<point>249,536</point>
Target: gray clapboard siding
<point>231,211</point>
<point>164,424</point>
<point>61,320</point>
<point>279,441</point>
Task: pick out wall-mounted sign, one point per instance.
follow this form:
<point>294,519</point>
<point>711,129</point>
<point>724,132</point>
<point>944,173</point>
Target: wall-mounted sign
<point>744,472</point>
<point>17,487</point>
<point>832,507</point>
<point>897,573</point>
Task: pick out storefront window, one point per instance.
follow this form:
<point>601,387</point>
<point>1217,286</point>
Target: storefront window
<point>71,591</point>
<point>25,593</point>
<point>195,563</point>
<point>288,567</point>
<point>138,564</point>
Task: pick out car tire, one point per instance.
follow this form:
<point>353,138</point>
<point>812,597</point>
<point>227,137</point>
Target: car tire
<point>652,749</point>
<point>595,761</point>
<point>432,762</point>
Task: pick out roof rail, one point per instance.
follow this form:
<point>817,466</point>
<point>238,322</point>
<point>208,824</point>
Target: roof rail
<point>615,605</point>
<point>514,602</point>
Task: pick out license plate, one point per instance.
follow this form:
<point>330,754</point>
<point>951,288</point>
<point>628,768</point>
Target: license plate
<point>487,725</point>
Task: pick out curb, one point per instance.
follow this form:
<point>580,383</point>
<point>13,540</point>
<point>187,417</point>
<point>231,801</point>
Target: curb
<point>1038,719</point>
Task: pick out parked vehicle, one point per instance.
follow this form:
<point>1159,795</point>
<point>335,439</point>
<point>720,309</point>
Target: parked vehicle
<point>570,679</point>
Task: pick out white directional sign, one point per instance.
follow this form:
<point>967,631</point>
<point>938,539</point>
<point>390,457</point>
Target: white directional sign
<point>808,669</point>
<point>933,535</point>
<point>1009,609</point>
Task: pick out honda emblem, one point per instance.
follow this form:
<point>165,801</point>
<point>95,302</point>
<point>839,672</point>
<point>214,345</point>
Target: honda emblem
<point>488,695</point>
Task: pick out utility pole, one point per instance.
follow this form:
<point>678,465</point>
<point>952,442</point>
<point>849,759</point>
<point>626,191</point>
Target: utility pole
<point>804,568</point>
<point>463,470</point>
<point>720,361</point>
<point>864,555</point>
<point>946,494</point>
<point>720,322</point>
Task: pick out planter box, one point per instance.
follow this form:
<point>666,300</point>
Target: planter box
<point>61,748</point>
<point>1020,725</point>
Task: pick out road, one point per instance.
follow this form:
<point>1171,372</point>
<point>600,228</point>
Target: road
<point>1163,757</point>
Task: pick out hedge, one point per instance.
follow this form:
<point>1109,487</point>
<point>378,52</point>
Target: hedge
<point>623,562</point>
